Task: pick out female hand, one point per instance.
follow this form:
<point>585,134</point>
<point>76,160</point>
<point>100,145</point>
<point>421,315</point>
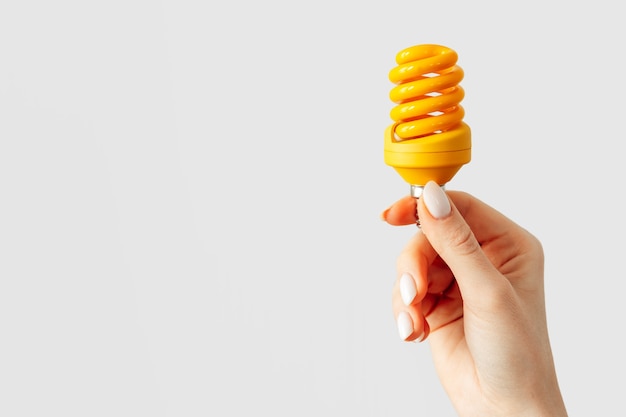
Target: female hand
<point>471,282</point>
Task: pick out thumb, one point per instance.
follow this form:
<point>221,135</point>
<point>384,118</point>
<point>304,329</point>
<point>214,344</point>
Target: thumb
<point>455,242</point>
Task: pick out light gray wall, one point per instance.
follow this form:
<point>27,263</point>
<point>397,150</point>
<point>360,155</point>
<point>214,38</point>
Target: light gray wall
<point>190,191</point>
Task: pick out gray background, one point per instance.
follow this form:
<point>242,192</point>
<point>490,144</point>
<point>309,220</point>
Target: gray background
<point>190,191</point>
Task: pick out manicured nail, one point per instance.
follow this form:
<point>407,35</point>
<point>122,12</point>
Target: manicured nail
<point>436,200</point>
<point>407,288</point>
<point>405,325</point>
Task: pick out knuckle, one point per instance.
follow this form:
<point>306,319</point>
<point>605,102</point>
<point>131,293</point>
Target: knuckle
<point>462,240</point>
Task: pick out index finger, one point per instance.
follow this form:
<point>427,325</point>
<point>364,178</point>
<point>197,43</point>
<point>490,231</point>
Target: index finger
<point>401,213</point>
<point>485,221</point>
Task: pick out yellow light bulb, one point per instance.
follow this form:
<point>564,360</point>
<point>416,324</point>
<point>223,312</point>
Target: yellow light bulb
<point>428,139</point>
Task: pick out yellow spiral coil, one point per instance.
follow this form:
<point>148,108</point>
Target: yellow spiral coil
<point>428,139</point>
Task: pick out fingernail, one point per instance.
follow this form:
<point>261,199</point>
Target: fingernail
<point>383,215</point>
<point>407,288</point>
<point>405,325</point>
<point>436,200</point>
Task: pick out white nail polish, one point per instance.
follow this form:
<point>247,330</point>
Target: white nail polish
<point>436,200</point>
<point>407,288</point>
<point>405,325</point>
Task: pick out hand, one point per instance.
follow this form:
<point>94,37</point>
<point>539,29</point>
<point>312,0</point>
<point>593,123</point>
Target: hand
<point>471,282</point>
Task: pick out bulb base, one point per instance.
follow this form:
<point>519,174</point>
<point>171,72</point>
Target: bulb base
<point>417,190</point>
<point>437,157</point>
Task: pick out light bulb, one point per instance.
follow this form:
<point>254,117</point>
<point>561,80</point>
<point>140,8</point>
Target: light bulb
<point>428,139</point>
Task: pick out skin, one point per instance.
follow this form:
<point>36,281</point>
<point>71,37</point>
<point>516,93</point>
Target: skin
<point>480,304</point>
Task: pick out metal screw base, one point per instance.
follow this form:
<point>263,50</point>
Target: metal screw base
<point>416,191</point>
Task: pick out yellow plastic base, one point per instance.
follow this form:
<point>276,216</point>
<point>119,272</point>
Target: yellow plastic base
<point>437,157</point>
